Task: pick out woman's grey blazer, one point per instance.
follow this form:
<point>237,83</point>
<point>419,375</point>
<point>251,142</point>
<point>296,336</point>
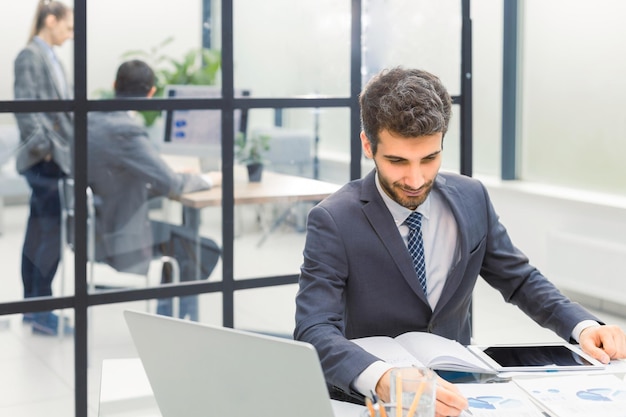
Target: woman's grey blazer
<point>41,134</point>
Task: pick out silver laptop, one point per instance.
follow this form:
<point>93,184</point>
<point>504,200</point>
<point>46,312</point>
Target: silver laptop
<point>197,369</point>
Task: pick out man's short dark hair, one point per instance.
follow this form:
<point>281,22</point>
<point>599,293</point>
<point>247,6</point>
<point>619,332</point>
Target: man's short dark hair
<point>134,78</point>
<point>406,102</point>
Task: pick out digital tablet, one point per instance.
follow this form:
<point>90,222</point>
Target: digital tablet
<point>535,357</point>
<point>461,377</point>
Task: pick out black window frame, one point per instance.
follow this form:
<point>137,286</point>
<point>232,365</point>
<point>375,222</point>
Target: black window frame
<point>81,301</point>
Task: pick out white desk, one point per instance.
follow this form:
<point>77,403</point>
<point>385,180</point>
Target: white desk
<point>274,187</point>
<point>125,391</point>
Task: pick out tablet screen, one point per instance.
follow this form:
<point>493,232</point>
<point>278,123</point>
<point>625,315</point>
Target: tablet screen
<point>518,356</point>
<point>461,377</point>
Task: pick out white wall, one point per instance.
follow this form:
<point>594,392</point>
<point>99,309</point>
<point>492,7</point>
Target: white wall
<point>487,84</point>
<point>575,238</point>
<point>14,33</point>
<point>573,88</point>
<point>115,27</point>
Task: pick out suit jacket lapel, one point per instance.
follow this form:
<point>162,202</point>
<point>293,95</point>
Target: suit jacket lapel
<point>455,276</point>
<point>49,69</point>
<point>382,222</point>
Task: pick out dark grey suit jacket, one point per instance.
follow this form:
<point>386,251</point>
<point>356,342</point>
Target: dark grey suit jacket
<point>358,280</point>
<point>41,134</point>
<point>125,171</point>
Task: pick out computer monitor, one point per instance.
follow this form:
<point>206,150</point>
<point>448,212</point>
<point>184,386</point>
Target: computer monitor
<point>197,133</point>
<point>291,150</point>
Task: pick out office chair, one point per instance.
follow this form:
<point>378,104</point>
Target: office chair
<point>100,281</point>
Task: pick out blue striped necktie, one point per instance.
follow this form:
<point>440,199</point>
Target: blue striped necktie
<point>416,247</point>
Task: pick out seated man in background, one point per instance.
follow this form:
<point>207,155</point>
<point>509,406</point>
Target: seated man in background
<point>401,249</point>
<point>125,171</point>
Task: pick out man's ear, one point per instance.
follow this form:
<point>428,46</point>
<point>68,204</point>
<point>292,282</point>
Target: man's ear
<point>366,145</point>
<point>151,92</point>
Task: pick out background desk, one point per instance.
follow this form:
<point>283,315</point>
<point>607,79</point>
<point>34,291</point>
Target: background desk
<point>273,187</point>
<point>125,391</point>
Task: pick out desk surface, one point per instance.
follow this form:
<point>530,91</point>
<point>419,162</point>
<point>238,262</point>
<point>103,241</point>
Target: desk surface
<point>273,186</point>
<point>125,390</point>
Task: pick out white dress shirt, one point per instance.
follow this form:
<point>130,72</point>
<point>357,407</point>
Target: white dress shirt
<point>439,230</point>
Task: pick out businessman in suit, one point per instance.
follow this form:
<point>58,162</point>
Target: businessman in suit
<point>44,155</point>
<point>125,171</point>
<point>358,278</point>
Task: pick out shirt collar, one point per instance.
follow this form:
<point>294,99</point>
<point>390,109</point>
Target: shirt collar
<point>45,46</point>
<point>399,212</point>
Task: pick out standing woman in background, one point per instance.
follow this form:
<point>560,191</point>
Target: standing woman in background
<point>44,155</point>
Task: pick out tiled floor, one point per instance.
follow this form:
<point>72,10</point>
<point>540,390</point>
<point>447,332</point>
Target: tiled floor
<point>36,377</point>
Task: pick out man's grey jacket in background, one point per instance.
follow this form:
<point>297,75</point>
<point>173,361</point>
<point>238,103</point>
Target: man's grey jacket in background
<point>125,171</point>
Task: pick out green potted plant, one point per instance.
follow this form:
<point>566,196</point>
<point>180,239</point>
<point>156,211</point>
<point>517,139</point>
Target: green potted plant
<point>250,151</point>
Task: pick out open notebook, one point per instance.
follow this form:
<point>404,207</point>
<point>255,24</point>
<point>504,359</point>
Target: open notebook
<point>197,370</point>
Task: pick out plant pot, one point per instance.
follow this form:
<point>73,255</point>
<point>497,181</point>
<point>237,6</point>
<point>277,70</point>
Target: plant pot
<point>255,171</point>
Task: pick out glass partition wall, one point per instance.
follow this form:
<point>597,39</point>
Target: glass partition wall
<point>287,73</point>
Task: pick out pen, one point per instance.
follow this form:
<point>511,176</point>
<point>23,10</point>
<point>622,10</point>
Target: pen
<point>466,413</point>
<point>398,395</point>
<point>379,406</point>
<point>370,407</point>
<point>416,399</point>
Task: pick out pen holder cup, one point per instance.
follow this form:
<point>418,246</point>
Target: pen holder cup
<point>415,389</point>
<point>390,411</point>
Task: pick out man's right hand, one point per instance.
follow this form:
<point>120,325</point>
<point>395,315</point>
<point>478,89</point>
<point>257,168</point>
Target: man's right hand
<point>216,178</point>
<point>449,401</point>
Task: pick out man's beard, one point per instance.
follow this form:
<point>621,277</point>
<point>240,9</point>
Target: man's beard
<point>395,191</point>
